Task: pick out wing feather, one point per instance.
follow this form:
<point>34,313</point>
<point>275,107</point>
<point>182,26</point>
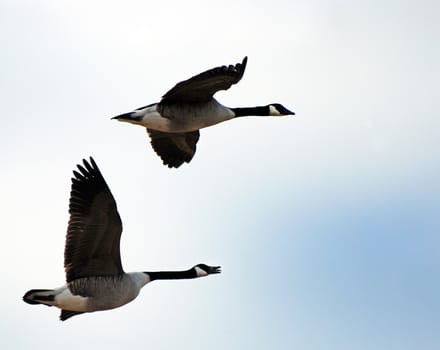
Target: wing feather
<point>95,227</point>
<point>201,87</point>
<point>174,148</point>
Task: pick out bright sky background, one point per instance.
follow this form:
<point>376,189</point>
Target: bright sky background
<point>326,224</point>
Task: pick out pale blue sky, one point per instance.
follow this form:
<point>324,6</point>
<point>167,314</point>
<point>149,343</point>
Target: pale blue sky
<point>326,224</point>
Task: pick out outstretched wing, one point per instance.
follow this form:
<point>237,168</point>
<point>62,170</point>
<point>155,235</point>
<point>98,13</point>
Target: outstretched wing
<point>201,87</point>
<point>174,148</point>
<point>94,230</point>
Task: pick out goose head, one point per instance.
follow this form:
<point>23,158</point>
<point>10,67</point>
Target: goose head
<point>278,110</point>
<point>205,270</point>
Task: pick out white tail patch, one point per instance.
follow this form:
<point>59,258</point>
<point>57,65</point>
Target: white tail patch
<point>66,300</point>
<point>151,118</point>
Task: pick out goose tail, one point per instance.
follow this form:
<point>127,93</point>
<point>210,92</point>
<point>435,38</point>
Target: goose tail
<point>40,296</point>
<point>136,116</point>
<point>129,117</point>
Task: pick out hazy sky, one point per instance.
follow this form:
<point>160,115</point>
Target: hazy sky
<point>326,224</point>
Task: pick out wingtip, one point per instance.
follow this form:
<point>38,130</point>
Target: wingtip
<point>92,162</point>
<point>88,166</point>
<point>87,162</point>
<point>242,66</point>
<point>76,175</point>
<point>83,165</point>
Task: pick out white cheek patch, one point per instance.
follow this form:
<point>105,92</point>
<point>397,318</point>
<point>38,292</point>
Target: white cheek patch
<point>200,272</point>
<point>274,112</point>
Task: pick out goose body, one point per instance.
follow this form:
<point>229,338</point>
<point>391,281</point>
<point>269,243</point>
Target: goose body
<point>174,123</point>
<point>95,279</point>
<point>180,118</point>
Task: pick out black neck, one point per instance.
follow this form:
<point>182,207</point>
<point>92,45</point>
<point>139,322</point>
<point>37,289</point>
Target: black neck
<point>248,111</point>
<point>172,275</point>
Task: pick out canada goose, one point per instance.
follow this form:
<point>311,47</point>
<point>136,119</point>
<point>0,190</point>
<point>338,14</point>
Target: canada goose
<point>173,124</point>
<point>95,279</point>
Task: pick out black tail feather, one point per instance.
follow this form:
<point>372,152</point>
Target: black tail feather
<point>37,296</point>
<point>128,116</point>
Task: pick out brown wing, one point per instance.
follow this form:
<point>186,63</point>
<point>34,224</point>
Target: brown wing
<point>201,87</point>
<point>174,148</point>
<point>94,230</point>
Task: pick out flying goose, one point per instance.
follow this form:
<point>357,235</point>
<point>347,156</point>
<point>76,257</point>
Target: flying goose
<point>95,279</point>
<point>173,124</point>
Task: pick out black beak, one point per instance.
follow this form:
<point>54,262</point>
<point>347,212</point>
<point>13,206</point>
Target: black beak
<point>214,269</point>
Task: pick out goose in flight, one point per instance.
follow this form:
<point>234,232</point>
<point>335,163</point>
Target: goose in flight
<point>173,124</point>
<point>95,279</point>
